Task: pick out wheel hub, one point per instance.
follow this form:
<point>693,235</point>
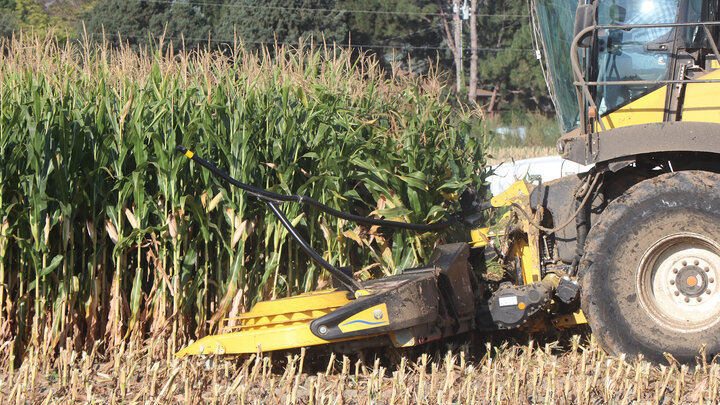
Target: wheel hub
<point>676,282</point>
<point>691,281</point>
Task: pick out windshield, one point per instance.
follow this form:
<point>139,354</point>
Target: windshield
<point>622,54</point>
<point>636,54</point>
<point>556,19</point>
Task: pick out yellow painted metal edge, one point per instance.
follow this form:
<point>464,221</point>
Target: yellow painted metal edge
<point>373,317</point>
<point>566,321</point>
<point>481,236</point>
<point>516,191</point>
<point>701,102</point>
<point>299,303</point>
<point>263,340</point>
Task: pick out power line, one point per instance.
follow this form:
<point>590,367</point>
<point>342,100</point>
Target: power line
<point>415,32</point>
<point>325,10</point>
<point>356,46</point>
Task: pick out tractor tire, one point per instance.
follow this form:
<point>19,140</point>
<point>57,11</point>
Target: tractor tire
<point>650,274</point>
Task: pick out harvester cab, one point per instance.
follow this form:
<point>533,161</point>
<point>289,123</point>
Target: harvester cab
<point>631,247</point>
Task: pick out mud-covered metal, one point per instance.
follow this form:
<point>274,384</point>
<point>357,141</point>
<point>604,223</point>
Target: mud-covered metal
<point>558,199</point>
<point>412,299</point>
<point>400,301</point>
<point>641,140</point>
<point>512,306</point>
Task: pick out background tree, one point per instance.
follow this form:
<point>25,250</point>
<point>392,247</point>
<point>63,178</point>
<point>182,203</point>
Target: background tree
<point>136,21</point>
<point>507,64</point>
<point>263,23</point>
<point>8,20</point>
<point>30,15</point>
<point>404,33</point>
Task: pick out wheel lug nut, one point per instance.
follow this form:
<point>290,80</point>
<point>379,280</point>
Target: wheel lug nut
<point>699,299</point>
<point>712,280</point>
<point>684,263</point>
<point>707,292</point>
<point>672,282</point>
<point>687,299</point>
<point>707,269</point>
<point>677,293</point>
<point>675,271</point>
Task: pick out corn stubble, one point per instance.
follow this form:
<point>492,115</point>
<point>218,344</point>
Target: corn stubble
<point>578,374</point>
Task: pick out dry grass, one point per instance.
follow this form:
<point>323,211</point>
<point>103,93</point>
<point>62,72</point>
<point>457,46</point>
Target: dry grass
<point>497,155</point>
<point>577,373</point>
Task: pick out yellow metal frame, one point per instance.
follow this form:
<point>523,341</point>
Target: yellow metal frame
<point>566,321</point>
<point>273,325</point>
<point>373,317</point>
<point>285,323</point>
<point>517,192</point>
<point>700,104</point>
<point>528,263</point>
<point>526,248</point>
<point>482,236</point>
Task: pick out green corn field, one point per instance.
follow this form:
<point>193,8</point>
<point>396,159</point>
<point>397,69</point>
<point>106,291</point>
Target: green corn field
<point>109,235</point>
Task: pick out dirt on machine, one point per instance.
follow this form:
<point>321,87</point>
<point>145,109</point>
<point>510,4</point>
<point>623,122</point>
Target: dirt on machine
<point>630,247</point>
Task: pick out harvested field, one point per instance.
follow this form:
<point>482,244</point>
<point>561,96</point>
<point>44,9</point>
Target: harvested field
<point>570,372</point>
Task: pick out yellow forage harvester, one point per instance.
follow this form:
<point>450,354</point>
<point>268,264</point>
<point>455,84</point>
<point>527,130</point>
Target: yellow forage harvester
<point>631,246</point>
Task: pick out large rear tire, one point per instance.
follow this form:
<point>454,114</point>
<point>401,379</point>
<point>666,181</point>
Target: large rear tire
<point>651,272</point>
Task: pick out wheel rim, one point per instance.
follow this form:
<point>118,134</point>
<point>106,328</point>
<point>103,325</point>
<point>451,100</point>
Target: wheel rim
<point>678,281</point>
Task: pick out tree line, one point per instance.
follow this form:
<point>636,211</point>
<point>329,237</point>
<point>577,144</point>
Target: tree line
<point>484,46</point>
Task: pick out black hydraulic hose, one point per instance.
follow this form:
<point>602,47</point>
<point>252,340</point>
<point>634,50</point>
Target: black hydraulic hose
<point>272,199</point>
<point>521,210</point>
<point>581,224</point>
<point>270,196</point>
<point>344,278</point>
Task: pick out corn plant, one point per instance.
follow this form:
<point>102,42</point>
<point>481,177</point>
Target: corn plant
<point>108,235</point>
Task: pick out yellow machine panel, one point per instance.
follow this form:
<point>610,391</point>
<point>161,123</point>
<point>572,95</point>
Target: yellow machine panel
<point>276,338</point>
<point>516,192</point>
<point>372,317</point>
<point>272,325</point>
<point>701,102</point>
<point>645,110</point>
<point>528,262</point>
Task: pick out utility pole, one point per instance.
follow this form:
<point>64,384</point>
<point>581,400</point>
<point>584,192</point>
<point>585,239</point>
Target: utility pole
<point>472,93</point>
<point>458,46</point>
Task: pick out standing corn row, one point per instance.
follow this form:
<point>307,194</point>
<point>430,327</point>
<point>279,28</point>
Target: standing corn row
<point>107,234</point>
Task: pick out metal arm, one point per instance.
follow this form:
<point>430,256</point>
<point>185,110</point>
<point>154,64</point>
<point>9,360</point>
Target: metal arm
<point>272,199</point>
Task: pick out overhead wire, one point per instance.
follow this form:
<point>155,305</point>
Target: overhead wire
<point>323,10</point>
<point>355,46</point>
<point>329,10</point>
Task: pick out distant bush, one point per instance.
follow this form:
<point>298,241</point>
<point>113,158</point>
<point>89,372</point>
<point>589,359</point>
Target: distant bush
<point>523,130</point>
